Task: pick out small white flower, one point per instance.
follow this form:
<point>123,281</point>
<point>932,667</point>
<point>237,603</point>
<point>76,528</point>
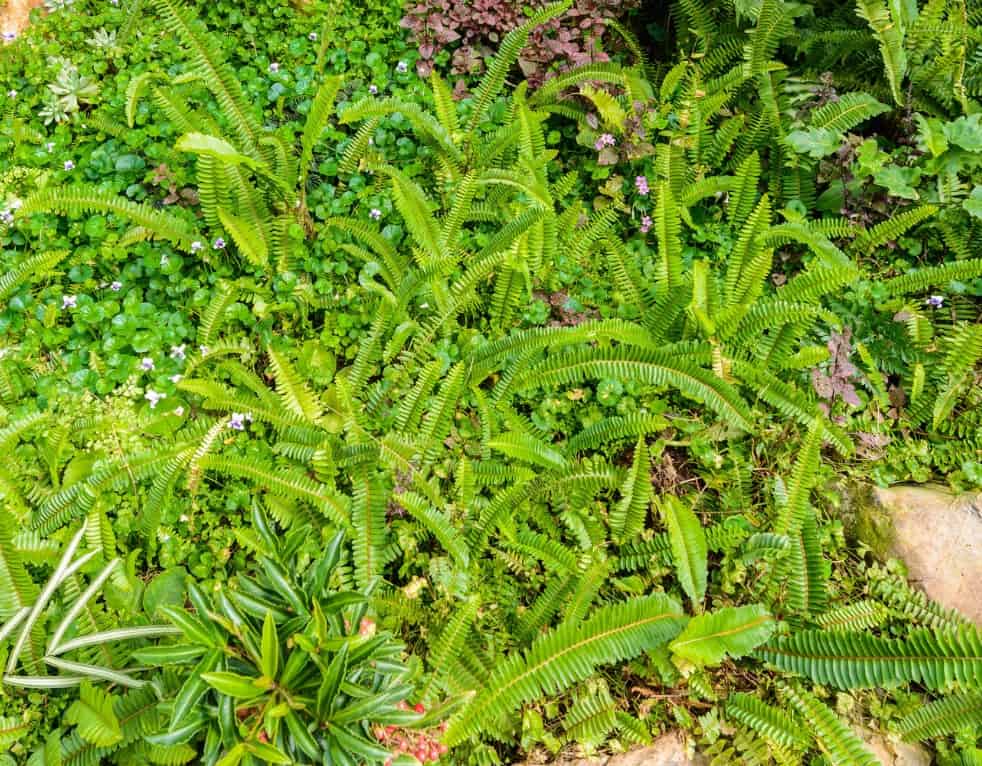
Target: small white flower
<point>16,204</point>
<point>274,67</point>
<point>68,301</point>
<point>203,350</point>
<point>179,411</point>
<point>183,517</point>
<point>177,352</point>
<point>218,244</point>
<point>146,364</point>
<point>402,67</point>
<point>69,165</point>
<point>116,286</point>
<point>375,214</point>
<point>373,89</point>
<point>175,379</point>
<point>164,260</point>
<point>50,146</point>
<point>312,36</point>
<point>9,36</point>
<point>237,421</point>
<point>197,245</point>
<point>11,93</point>
<point>154,397</point>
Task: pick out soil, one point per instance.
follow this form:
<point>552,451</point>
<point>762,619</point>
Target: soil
<point>15,15</point>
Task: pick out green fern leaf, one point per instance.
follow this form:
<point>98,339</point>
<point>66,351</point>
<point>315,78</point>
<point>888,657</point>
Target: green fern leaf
<point>839,743</point>
<point>729,632</point>
<point>628,516</point>
<point>689,549</point>
<point>568,654</point>
<point>856,660</point>
<point>944,716</point>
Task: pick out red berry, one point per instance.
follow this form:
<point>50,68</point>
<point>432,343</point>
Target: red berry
<point>442,749</point>
<point>419,708</point>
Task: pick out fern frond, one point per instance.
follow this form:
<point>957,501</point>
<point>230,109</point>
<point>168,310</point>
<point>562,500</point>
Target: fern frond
<point>568,654</point>
<point>856,660</point>
<point>81,199</point>
<point>947,715</point>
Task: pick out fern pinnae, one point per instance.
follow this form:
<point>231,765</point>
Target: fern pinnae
<point>508,53</point>
<point>948,715</point>
<point>568,654</point>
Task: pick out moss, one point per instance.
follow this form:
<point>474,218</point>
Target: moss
<point>863,518</point>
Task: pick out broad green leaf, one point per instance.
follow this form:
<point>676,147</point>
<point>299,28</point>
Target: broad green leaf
<point>232,684</point>
<point>267,752</point>
<point>212,146</point>
<point>815,142</point>
<point>966,132</point>
<point>270,654</point>
<point>93,713</point>
<point>728,632</point>
<point>973,204</point>
<point>689,549</point>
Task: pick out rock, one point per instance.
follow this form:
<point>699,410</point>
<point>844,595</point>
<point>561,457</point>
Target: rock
<point>890,753</point>
<point>668,750</point>
<point>937,535</point>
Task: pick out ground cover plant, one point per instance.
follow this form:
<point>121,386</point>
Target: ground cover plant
<point>378,391</point>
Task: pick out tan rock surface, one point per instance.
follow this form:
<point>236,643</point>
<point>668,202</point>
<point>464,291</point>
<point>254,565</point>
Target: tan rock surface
<point>939,537</point>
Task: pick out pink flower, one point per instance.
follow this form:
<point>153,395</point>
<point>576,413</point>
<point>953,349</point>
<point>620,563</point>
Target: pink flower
<point>605,140</point>
<point>642,185</point>
<point>645,224</point>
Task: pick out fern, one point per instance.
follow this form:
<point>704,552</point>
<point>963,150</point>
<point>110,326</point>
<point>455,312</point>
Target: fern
<point>840,744</point>
<point>568,654</point>
<point>80,200</point>
<point>855,660</point>
<point>945,716</point>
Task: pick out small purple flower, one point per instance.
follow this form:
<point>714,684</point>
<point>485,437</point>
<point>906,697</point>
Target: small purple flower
<point>154,397</point>
<point>274,67</point>
<point>237,421</point>
<point>935,301</point>
<point>50,146</point>
<point>645,224</point>
<point>68,301</point>
<point>11,93</point>
<point>177,352</point>
<point>69,165</point>
<point>312,37</point>
<point>146,364</point>
<point>116,286</point>
<point>375,214</point>
<point>179,411</point>
<point>114,2</point>
<point>218,244</point>
<point>197,245</point>
<point>641,182</point>
<point>203,350</point>
<point>175,379</point>
<point>6,216</point>
<point>402,67</point>
<point>605,140</point>
<point>373,89</point>
<point>9,36</point>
